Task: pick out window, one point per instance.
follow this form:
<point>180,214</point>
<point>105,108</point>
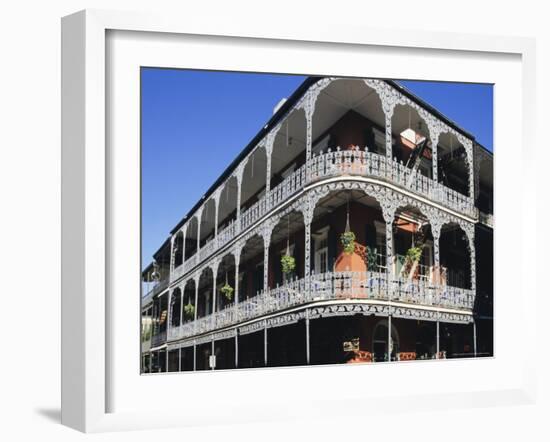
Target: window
<point>379,141</point>
<point>380,243</point>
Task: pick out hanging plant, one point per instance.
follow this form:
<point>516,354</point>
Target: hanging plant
<point>227,291</point>
<point>189,310</point>
<point>288,263</point>
<point>372,261</point>
<point>348,242</point>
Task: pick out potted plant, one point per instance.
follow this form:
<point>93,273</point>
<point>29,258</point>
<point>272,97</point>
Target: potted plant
<point>288,263</point>
<point>227,291</point>
<point>189,310</point>
<point>348,242</point>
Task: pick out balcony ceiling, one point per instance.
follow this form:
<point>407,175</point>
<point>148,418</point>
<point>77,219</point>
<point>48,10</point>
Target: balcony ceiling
<point>340,97</point>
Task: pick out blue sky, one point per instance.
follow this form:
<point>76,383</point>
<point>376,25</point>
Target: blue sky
<point>194,123</point>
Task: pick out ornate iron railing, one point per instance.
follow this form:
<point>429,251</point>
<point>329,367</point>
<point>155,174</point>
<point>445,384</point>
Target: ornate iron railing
<point>158,339</point>
<point>155,290</point>
<point>331,286</point>
<point>363,163</point>
<point>333,164</point>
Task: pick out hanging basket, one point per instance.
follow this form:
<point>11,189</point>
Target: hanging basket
<point>348,242</point>
<point>227,291</point>
<point>288,264</point>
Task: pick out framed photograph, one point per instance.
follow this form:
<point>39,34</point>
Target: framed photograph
<point>302,220</point>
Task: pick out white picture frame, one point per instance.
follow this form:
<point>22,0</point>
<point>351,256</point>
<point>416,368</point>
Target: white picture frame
<point>88,324</point>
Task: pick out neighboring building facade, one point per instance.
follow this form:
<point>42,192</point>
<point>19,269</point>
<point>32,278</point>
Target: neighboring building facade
<point>383,206</point>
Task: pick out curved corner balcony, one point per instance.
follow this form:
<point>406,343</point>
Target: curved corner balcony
<point>332,164</point>
<point>332,287</point>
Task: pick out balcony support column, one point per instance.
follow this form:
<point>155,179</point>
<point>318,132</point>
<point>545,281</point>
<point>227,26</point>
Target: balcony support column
<point>469,229</point>
<point>182,291</point>
<point>437,338</point>
<point>265,343</point>
<point>214,269</point>
<point>238,174</point>
<point>216,207</point>
<point>237,256</point>
<point>213,351</point>
<point>195,354</point>
<point>473,265</point>
<point>270,141</point>
<point>435,142</point>
<point>308,218</point>
<point>199,222</point>
<point>172,253</point>
<point>389,334</point>
<point>179,359</point>
<point>197,277</point>
<point>183,245</point>
<point>236,349</point>
<point>309,129</point>
<point>474,330</point>
<point>388,212</point>
<point>169,316</point>
<point>436,233</point>
<point>308,356</point>
<point>267,230</point>
<point>470,158</point>
<point>388,113</point>
<point>266,266</point>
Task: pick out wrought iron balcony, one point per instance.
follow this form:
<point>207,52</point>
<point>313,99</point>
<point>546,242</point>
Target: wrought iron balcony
<point>155,290</point>
<point>158,339</point>
<point>330,164</point>
<point>331,286</point>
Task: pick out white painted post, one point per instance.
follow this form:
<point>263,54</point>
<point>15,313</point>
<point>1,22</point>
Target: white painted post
<point>197,279</point>
<point>437,339</point>
<point>236,349</point>
<point>389,154</point>
<point>475,338</point>
<point>237,262</point>
<point>213,352</point>
<point>267,239</point>
<point>389,333</point>
<point>183,248</point>
<point>182,289</point>
<point>307,338</point>
<point>265,344</point>
<point>214,294</point>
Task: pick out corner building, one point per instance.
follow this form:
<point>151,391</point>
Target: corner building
<point>385,208</point>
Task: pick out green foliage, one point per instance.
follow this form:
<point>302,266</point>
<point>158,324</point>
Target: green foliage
<point>227,291</point>
<point>189,311</point>
<point>414,254</point>
<point>372,261</point>
<point>348,242</point>
<point>288,264</point>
